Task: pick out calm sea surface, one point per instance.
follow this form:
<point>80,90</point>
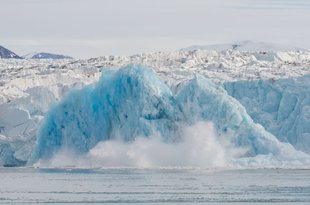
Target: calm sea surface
<point>154,186</point>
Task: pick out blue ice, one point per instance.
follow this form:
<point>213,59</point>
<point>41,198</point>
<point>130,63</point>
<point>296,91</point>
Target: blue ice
<point>133,101</point>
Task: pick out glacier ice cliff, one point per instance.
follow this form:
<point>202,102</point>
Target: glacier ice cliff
<point>133,101</point>
<point>29,88</point>
<point>200,99</point>
<point>17,135</point>
<point>123,104</point>
<point>281,106</point>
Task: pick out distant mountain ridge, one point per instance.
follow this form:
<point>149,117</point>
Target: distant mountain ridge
<point>249,46</point>
<point>6,53</point>
<point>246,46</point>
<point>44,55</point>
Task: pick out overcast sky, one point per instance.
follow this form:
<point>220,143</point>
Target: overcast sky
<point>90,28</point>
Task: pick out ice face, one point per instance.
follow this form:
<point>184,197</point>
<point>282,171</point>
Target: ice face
<point>123,104</point>
<point>200,99</point>
<point>281,106</point>
<point>7,155</point>
<point>17,135</point>
<point>133,102</point>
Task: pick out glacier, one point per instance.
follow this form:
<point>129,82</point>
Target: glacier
<point>30,89</point>
<point>281,106</point>
<point>133,101</point>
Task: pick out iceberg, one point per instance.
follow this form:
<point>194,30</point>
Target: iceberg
<point>134,102</point>
<point>281,106</point>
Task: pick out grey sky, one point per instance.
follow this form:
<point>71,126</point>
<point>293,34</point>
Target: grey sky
<point>89,28</point>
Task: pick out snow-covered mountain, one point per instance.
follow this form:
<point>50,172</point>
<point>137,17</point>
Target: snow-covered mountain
<point>6,53</point>
<point>43,55</point>
<point>255,94</point>
<point>246,46</point>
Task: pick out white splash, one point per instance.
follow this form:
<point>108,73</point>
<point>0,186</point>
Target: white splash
<point>199,147</point>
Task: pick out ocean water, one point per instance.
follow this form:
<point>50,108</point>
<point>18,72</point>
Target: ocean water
<point>154,186</point>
